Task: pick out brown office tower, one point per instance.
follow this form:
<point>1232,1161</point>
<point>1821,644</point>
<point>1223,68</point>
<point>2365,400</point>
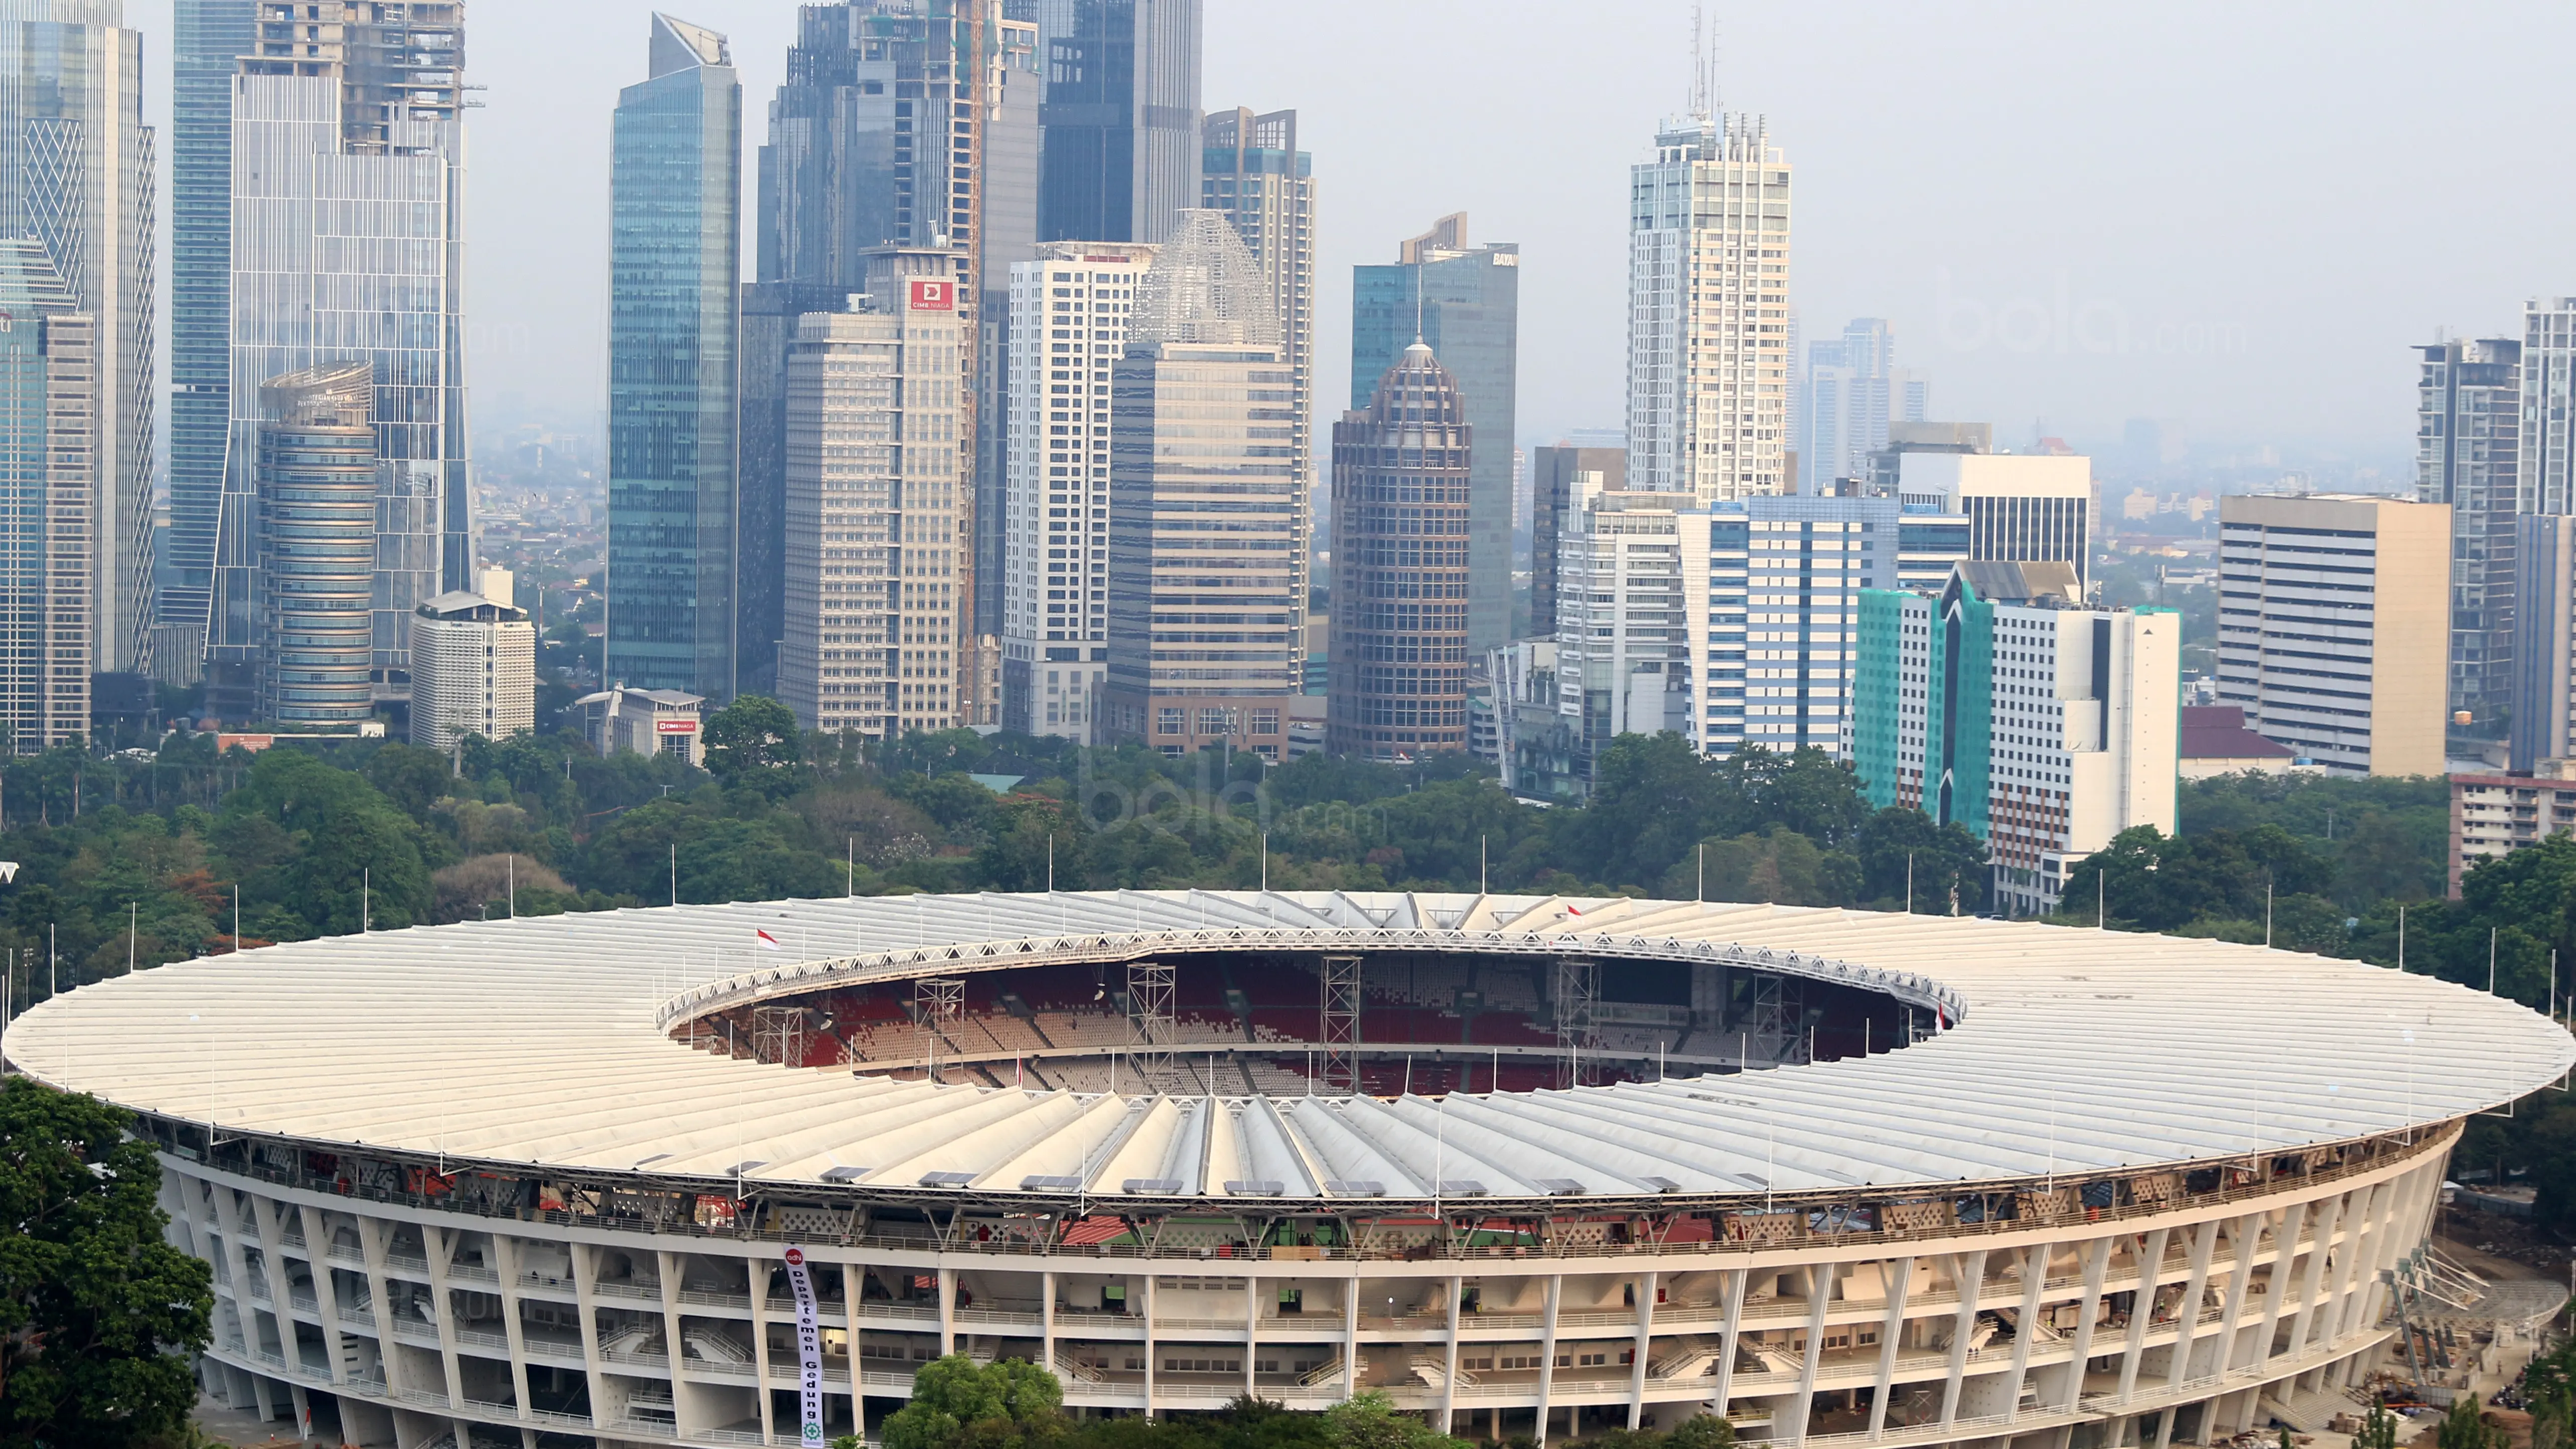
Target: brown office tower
<point>1399,655</point>
<point>1207,587</point>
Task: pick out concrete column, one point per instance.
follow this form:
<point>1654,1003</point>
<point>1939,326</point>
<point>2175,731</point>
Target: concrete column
<point>755,1276</point>
<point>326,1298</point>
<point>2320,1247</point>
<point>2034,1276</point>
<point>2285,1250</point>
<point>1898,1276</point>
<point>1726,1334</point>
<point>505,1266</point>
<point>1547,1351</point>
<point>948,1309</point>
<point>1971,1274</point>
<point>373,1238</point>
<point>434,1246</point>
<point>2097,1261</point>
<point>1820,1297</point>
<point>1046,1329</point>
<point>1351,1332</point>
<point>2246,1233</point>
<point>2142,1309</point>
<point>585,1292</point>
<point>2204,1240</point>
<point>1449,1379</point>
<point>1147,1278</point>
<point>684,1401</point>
<point>1645,1342</point>
<point>1255,1289</point>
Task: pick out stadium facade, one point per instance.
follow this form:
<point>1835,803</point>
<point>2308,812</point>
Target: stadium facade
<point>728,1175</point>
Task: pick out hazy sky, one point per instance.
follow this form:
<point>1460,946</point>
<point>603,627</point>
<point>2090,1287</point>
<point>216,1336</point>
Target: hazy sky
<point>2235,216</point>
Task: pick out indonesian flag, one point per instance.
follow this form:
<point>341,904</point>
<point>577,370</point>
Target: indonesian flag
<point>768,942</point>
<point>1573,910</point>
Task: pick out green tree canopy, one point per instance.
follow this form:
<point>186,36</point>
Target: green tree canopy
<point>958,1403</point>
<point>98,1313</point>
<point>753,740</point>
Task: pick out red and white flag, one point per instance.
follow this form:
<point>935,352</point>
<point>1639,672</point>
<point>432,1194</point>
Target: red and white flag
<point>768,942</point>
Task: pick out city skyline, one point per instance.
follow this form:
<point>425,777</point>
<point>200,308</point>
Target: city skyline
<point>1556,179</point>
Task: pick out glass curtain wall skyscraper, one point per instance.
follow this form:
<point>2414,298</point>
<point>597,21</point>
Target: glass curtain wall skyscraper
<point>1121,143</point>
<point>211,38</point>
<point>1464,302</point>
<point>49,487</point>
<point>2467,455</point>
<point>675,263</point>
<point>83,180</point>
<point>347,187</point>
<point>888,133</point>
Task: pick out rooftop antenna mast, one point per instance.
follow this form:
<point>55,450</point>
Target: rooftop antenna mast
<point>1703,99</point>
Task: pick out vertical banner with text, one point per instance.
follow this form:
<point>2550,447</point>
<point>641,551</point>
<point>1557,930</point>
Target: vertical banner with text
<point>809,1351</point>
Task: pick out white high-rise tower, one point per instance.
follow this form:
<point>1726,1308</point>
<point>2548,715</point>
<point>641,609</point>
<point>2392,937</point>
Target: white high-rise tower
<point>1708,311</point>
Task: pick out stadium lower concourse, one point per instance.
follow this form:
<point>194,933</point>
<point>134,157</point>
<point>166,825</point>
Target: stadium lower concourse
<point>1529,1165</point>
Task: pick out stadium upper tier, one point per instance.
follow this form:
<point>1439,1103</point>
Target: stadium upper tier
<point>565,1042</point>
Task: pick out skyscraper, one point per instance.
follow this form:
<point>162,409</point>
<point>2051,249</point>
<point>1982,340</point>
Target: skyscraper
<point>1464,301</point>
<point>1120,157</point>
<point>2468,418</point>
<point>211,37</point>
<point>1708,311</point>
<point>317,545</point>
<point>2544,687</point>
<point>86,185</point>
<point>1781,581</point>
<point>1254,173</point>
<point>1559,477</point>
<point>2545,448</point>
<point>878,549</point>
<point>675,261</point>
<point>1070,311</point>
<point>1624,599</point>
<point>880,138</point>
<point>1850,390</point>
<point>2334,627</point>
<point>1206,591</point>
<point>1401,479</point>
<point>347,186</point>
<point>50,482</point>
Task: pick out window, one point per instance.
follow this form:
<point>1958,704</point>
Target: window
<point>1167,721</point>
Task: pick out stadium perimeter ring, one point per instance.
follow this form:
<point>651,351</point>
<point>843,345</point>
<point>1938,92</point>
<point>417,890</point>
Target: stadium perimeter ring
<point>1846,1178</point>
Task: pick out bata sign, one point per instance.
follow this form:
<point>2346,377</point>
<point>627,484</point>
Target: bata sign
<point>933,296</point>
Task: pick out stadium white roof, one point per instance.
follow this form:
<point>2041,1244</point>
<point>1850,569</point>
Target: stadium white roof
<point>542,1041</point>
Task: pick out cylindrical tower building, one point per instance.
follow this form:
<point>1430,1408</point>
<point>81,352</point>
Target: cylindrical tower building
<point>317,503</point>
<point>1400,480</point>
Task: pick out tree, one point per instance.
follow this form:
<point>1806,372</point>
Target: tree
<point>1901,845</point>
<point>2465,1428</point>
<point>99,1315</point>
<point>958,1403</point>
<point>1035,844</point>
<point>1702,1431</point>
<point>752,740</point>
<point>1370,1420</point>
<point>2378,1430</point>
<point>1653,798</point>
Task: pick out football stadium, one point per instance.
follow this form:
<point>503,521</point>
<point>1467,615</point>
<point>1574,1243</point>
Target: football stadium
<point>1531,1166</point>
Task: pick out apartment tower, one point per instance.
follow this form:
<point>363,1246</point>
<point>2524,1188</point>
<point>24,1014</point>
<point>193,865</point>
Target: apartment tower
<point>2543,702</point>
<point>1464,301</point>
<point>1708,311</point>
<point>1070,311</point>
<point>675,263</point>
<point>1252,171</point>
<point>1561,477</point>
<point>1402,479</point>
